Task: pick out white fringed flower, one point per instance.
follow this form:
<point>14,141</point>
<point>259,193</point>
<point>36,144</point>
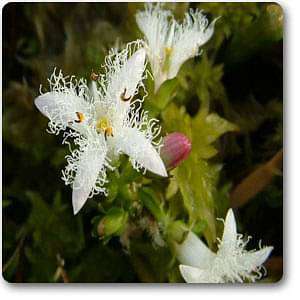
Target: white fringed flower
<point>105,121</point>
<point>232,263</point>
<point>170,44</point>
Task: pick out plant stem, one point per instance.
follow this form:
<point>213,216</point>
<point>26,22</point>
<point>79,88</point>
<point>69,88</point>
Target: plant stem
<point>256,181</point>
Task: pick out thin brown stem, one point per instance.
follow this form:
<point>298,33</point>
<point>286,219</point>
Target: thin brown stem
<point>256,181</point>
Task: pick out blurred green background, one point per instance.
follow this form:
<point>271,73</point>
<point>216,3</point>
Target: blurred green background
<point>238,76</point>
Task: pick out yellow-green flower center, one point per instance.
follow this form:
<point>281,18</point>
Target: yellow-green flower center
<point>103,125</point>
<point>168,52</point>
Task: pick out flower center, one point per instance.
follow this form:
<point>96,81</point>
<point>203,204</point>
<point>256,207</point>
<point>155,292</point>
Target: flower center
<point>168,51</point>
<point>103,125</point>
<point>167,60</point>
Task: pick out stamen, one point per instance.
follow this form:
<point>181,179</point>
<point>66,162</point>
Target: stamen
<point>94,76</point>
<point>80,117</point>
<point>108,132</point>
<point>123,98</point>
<point>103,125</point>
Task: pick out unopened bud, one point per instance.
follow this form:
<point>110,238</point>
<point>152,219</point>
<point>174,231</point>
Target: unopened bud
<point>176,148</point>
<point>113,223</point>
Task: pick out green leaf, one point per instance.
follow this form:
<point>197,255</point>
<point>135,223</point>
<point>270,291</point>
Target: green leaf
<point>165,94</point>
<point>176,231</point>
<point>172,188</point>
<point>199,227</point>
<point>149,200</point>
<point>196,177</point>
<point>207,77</point>
<point>203,130</point>
<point>156,103</point>
<point>128,173</point>
<point>207,128</point>
<point>176,119</point>
<point>197,182</point>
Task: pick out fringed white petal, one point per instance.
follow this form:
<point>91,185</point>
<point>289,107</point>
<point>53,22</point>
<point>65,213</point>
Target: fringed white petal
<point>190,35</point>
<point>154,24</point>
<point>60,108</point>
<point>229,238</point>
<point>257,258</point>
<point>90,173</point>
<point>124,76</point>
<point>194,275</point>
<point>140,150</point>
<point>124,82</point>
<point>194,252</point>
<point>67,98</point>
<point>132,72</point>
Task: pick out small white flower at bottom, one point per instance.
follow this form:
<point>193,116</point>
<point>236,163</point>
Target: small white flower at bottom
<point>232,263</point>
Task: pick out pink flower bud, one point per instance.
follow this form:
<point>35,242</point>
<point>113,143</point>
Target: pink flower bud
<point>176,148</point>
